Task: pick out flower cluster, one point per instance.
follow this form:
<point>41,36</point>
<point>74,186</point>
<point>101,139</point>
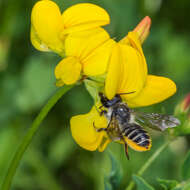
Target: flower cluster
<point>88,52</point>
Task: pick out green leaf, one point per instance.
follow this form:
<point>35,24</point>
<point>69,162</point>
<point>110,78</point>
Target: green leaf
<point>113,180</point>
<point>186,167</point>
<point>141,183</point>
<point>167,184</point>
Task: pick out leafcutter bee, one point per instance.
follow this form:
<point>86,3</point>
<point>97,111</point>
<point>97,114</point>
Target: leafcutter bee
<point>125,124</point>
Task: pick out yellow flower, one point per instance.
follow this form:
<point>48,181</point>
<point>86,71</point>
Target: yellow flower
<point>127,72</point>
<point>130,75</point>
<point>49,27</point>
<point>87,53</point>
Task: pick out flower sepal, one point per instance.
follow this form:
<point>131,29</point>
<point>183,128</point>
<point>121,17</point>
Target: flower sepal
<point>94,85</point>
<point>182,112</point>
<point>184,128</point>
<point>183,106</point>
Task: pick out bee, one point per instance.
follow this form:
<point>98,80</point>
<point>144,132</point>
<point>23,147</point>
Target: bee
<point>125,124</point>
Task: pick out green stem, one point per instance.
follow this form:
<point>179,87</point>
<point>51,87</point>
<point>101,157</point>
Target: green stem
<point>148,163</point>
<point>31,132</point>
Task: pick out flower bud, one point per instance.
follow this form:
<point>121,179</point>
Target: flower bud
<point>182,111</point>
<point>183,106</point>
<point>143,29</point>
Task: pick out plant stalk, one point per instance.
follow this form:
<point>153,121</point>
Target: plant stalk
<point>148,163</point>
<point>30,134</point>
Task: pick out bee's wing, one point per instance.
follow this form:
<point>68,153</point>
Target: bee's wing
<point>156,121</point>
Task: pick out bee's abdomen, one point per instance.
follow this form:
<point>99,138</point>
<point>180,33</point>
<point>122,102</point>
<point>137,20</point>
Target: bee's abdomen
<point>136,137</point>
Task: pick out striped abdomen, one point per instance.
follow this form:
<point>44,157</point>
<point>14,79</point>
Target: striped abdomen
<point>136,137</point>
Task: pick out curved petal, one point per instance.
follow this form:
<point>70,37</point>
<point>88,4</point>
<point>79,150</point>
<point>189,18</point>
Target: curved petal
<point>47,22</point>
<point>156,90</point>
<point>36,42</point>
<point>84,16</point>
<point>68,70</point>
<point>96,63</point>
<point>83,131</point>
<point>82,44</point>
<point>132,76</point>
<point>114,72</point>
<point>132,40</point>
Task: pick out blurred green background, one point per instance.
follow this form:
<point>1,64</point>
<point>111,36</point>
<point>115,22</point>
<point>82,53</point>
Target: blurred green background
<point>54,161</point>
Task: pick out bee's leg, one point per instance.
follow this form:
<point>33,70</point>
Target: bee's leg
<point>101,111</point>
<point>126,147</point>
<point>99,129</point>
<point>126,150</point>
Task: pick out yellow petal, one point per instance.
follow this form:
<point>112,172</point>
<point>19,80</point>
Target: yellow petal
<point>156,90</point>
<point>47,22</point>
<point>68,70</point>
<point>132,77</point>
<point>96,63</point>
<point>103,145</point>
<point>114,72</point>
<point>132,40</point>
<point>36,42</point>
<point>125,40</point>
<point>83,131</point>
<point>84,16</point>
<point>82,44</point>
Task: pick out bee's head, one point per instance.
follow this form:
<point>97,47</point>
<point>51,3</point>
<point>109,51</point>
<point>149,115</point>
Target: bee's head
<point>109,103</point>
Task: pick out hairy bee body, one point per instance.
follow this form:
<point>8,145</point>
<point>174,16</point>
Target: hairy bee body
<point>124,124</point>
<point>123,127</point>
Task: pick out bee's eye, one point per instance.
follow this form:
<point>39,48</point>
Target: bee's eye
<point>120,109</point>
<point>123,112</point>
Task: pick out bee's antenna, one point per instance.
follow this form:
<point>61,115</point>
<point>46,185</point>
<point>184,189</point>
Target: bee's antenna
<point>127,93</point>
